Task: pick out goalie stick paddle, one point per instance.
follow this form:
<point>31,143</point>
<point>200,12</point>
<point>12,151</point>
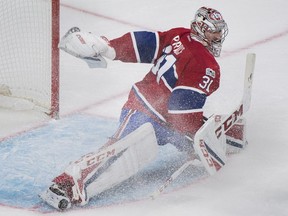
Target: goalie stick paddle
<point>208,141</point>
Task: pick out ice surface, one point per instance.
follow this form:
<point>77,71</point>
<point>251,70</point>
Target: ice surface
<point>252,183</point>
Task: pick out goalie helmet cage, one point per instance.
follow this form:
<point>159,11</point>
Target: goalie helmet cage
<point>29,62</point>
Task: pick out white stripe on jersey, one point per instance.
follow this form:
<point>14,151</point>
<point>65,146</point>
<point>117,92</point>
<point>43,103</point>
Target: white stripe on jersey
<point>184,111</point>
<point>135,47</point>
<point>157,47</point>
<point>148,104</point>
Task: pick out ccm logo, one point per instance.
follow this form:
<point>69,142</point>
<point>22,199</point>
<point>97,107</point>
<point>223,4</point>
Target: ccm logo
<point>205,153</point>
<point>80,38</point>
<point>93,158</point>
<point>230,121</point>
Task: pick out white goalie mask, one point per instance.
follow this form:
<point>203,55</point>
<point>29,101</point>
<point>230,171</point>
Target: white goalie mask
<point>209,20</point>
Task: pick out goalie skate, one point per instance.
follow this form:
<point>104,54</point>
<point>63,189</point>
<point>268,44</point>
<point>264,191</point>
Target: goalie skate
<point>56,197</point>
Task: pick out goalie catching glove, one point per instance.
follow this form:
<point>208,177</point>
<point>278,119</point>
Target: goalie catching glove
<point>88,47</point>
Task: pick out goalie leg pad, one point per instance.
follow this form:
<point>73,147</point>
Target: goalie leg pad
<point>142,150</point>
<point>95,172</point>
<point>236,137</point>
<point>210,148</point>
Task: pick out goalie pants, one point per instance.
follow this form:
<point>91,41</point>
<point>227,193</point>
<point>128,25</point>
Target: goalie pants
<point>130,120</point>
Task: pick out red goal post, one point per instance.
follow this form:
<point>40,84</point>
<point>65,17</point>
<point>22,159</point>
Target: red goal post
<point>29,62</point>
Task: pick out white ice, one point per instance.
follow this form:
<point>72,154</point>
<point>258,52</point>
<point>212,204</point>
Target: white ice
<point>253,182</point>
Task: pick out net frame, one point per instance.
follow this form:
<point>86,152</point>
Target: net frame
<point>29,60</point>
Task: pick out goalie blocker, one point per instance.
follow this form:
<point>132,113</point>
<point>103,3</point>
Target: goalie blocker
<point>210,140</point>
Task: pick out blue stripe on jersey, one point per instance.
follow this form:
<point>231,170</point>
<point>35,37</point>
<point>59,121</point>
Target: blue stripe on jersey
<point>170,77</point>
<point>186,99</point>
<point>146,44</point>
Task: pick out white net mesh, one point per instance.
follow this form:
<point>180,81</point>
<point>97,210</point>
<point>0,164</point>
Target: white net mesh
<point>25,57</point>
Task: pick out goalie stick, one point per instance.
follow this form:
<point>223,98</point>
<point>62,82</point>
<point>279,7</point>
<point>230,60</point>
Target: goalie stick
<point>178,172</point>
<point>204,145</point>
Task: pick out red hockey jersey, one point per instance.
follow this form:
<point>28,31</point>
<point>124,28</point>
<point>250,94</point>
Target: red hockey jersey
<point>183,75</point>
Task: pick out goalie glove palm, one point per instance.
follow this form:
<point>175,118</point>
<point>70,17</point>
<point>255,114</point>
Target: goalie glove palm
<point>86,45</point>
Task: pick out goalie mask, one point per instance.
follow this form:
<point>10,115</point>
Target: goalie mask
<point>209,28</point>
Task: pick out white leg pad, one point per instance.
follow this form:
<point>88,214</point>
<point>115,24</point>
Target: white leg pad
<point>117,162</point>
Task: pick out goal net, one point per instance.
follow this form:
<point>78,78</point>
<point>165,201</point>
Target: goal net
<point>29,62</point>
